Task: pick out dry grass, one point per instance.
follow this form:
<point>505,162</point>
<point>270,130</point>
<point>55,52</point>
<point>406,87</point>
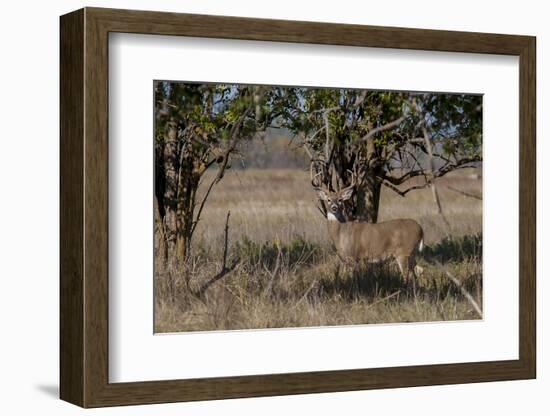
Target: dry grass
<point>288,274</point>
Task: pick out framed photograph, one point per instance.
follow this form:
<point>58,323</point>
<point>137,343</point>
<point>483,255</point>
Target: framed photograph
<point>256,207</point>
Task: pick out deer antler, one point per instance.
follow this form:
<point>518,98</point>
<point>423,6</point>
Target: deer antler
<point>353,181</point>
<point>314,181</point>
<point>350,187</point>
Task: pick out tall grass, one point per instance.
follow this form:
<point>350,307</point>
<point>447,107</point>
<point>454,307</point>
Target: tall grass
<point>288,274</point>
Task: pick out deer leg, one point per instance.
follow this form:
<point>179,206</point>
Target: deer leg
<point>406,265</point>
<point>412,269</point>
<point>411,265</point>
<point>348,267</point>
<point>345,264</point>
<point>402,262</point>
<point>355,267</point>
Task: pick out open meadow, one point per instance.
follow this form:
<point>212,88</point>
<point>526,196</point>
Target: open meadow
<point>286,270</point>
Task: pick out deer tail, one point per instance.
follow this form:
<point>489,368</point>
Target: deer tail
<point>421,245</point>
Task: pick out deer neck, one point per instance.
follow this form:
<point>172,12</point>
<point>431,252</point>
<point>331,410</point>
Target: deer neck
<point>335,223</point>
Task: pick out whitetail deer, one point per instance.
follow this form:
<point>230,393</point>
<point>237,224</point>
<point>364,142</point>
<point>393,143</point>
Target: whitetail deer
<point>359,240</point>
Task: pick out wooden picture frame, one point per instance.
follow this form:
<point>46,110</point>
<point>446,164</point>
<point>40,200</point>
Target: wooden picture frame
<point>84,207</point>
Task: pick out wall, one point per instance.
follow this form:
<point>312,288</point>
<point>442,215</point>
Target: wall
<point>29,213</point>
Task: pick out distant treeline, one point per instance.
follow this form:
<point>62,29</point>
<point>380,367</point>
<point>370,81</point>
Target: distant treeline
<point>274,150</point>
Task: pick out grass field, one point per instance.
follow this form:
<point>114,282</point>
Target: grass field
<point>288,274</point>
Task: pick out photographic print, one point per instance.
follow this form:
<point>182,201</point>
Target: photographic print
<point>287,207</point>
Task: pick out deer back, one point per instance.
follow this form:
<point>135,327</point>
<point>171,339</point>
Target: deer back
<point>361,240</point>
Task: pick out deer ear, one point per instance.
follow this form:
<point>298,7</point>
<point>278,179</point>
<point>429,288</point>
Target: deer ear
<point>322,194</point>
<point>346,194</point>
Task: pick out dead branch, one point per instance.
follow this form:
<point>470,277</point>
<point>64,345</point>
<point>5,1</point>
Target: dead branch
<point>465,193</point>
<point>272,274</point>
<point>327,134</point>
<point>406,176</point>
<point>233,134</point>
<point>406,191</point>
<point>224,270</point>
<point>308,151</point>
<point>394,294</point>
<point>310,138</point>
<point>379,129</point>
<point>202,290</point>
<point>200,141</point>
<point>435,194</point>
<point>464,292</point>
<point>203,202</point>
<point>391,181</point>
<point>313,285</point>
<point>225,239</point>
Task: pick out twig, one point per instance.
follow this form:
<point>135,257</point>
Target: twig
<point>202,290</point>
<point>384,299</point>
<point>225,240</point>
<point>464,193</point>
<point>273,274</point>
<point>225,270</point>
<point>304,296</point>
<point>203,202</point>
<point>464,292</point>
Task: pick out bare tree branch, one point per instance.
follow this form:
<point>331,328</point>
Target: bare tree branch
<point>405,192</point>
<point>431,175</point>
<point>223,165</point>
<point>465,193</point>
<point>379,129</point>
<point>442,171</point>
<point>203,202</point>
<point>327,134</point>
<point>310,138</point>
<point>405,177</point>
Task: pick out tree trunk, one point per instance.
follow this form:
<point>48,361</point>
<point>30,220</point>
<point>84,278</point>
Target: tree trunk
<point>185,209</point>
<point>368,199</point>
<point>170,158</point>
<point>160,238</point>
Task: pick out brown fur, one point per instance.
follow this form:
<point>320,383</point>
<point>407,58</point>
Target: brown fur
<point>357,241</point>
<point>398,239</point>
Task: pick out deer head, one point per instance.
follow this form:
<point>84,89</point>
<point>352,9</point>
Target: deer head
<point>334,200</point>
